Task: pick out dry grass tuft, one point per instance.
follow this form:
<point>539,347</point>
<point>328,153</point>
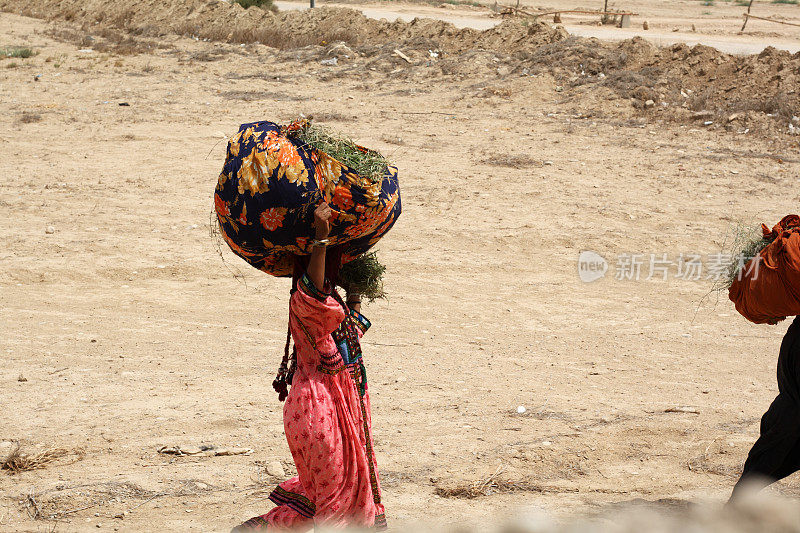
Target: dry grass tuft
<point>502,92</point>
<point>778,105</point>
<point>393,139</point>
<point>29,118</point>
<point>334,116</point>
<point>272,35</point>
<point>625,82</point>
<point>513,161</point>
<point>253,96</point>
<point>107,40</point>
<point>492,484</point>
<point>21,461</point>
<point>481,487</point>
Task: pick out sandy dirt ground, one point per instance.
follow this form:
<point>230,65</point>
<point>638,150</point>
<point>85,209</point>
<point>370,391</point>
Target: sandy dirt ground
<point>123,330</point>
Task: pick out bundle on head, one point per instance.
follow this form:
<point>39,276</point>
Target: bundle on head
<point>767,288</point>
<point>275,176</point>
<point>273,179</point>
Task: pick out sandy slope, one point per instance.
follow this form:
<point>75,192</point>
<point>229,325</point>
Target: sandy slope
<point>132,333</point>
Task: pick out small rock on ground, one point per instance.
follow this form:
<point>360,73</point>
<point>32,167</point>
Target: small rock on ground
<point>275,469</point>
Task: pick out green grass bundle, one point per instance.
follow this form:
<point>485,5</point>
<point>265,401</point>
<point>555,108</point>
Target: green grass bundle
<point>746,241</point>
<point>369,163</point>
<point>364,275</point>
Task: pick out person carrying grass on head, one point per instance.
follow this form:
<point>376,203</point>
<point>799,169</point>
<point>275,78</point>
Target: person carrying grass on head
<point>301,202</point>
<point>327,412</point>
<point>766,291</point>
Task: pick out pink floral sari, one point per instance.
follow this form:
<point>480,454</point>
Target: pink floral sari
<point>327,422</point>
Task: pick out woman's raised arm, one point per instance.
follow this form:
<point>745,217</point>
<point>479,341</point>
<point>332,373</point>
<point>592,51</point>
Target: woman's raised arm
<point>322,227</point>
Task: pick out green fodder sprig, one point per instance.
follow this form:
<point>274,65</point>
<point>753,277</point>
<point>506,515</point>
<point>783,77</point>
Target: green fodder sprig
<point>743,242</point>
<point>364,275</point>
<point>369,163</point>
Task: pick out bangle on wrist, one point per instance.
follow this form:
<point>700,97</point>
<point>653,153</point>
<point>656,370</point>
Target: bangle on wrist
<point>320,242</point>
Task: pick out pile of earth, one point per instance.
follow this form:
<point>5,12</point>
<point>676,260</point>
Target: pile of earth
<point>739,93</point>
<point>696,83</point>
<point>220,20</point>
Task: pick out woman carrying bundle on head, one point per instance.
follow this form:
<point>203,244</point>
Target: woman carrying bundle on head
<point>289,208</point>
<point>327,412</point>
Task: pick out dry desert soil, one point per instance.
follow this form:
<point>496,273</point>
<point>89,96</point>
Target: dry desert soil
<point>125,328</point>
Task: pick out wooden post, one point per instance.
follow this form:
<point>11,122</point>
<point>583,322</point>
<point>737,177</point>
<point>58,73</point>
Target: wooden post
<point>746,18</point>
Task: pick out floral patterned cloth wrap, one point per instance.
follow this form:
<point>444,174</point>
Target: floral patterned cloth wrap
<point>270,185</point>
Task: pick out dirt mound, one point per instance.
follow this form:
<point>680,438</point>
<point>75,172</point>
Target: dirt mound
<point>220,20</point>
<point>687,83</point>
<point>733,87</point>
<point>694,83</point>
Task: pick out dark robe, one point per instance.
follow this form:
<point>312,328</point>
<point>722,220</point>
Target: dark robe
<point>776,453</point>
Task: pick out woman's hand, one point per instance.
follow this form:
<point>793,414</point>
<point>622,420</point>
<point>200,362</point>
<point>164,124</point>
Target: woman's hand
<point>322,220</point>
<point>353,300</point>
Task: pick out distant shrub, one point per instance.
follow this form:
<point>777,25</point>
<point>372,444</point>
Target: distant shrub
<point>263,4</point>
<point>795,2</point>
<point>17,51</point>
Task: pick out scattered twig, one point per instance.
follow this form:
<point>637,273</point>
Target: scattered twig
<point>61,514</point>
<point>390,344</point>
<point>216,240</point>
<point>746,17</point>
<point>489,481</point>
<point>516,9</point>
<point>427,113</point>
<point>30,502</point>
<point>705,453</point>
<point>683,409</point>
<point>148,500</point>
<point>224,138</point>
<point>59,370</point>
<point>402,56</point>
